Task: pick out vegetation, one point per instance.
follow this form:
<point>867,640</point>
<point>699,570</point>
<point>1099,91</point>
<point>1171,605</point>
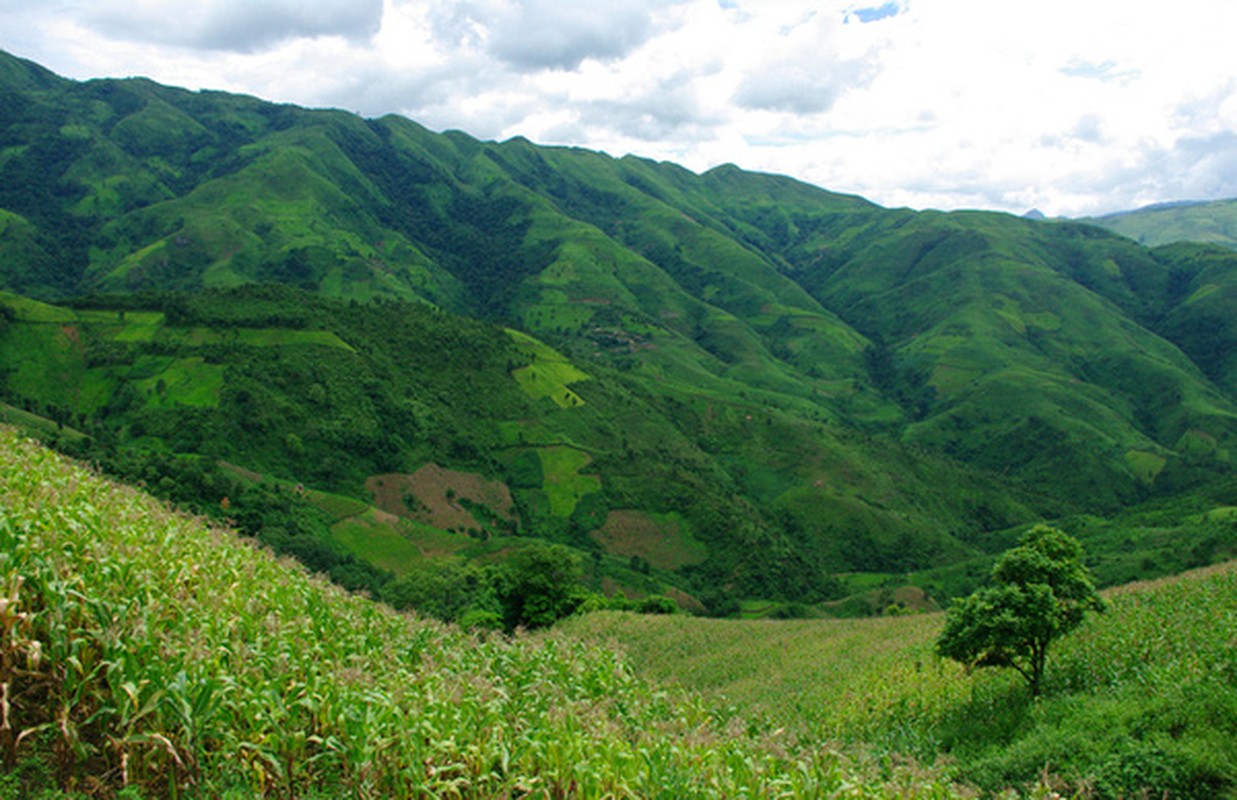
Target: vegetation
<point>1040,591</point>
<point>751,384</point>
<point>1212,222</point>
<point>1141,699</point>
<point>146,655</point>
<point>503,384</point>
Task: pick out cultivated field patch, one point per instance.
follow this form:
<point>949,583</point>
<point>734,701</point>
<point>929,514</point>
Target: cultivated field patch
<point>564,485</point>
<point>444,498</point>
<point>549,375</point>
<point>663,540</point>
<point>185,382</point>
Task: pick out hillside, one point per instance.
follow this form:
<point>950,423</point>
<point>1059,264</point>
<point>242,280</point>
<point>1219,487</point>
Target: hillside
<point>147,655</point>
<point>1141,701</point>
<point>727,384</point>
<point>1211,222</point>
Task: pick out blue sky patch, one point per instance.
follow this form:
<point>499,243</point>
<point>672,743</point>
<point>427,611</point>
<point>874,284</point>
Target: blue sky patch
<point>877,12</point>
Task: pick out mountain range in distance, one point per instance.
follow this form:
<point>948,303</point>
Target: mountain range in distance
<point>1212,221</point>
<point>719,384</point>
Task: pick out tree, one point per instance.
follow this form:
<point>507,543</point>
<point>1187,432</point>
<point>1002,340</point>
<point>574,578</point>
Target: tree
<point>539,585</point>
<point>1039,591</point>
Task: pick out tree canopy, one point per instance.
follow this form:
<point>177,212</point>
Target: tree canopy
<point>1039,591</point>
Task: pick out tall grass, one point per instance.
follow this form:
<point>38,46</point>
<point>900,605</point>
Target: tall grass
<point>144,653</point>
<point>1140,701</point>
<point>871,681</point>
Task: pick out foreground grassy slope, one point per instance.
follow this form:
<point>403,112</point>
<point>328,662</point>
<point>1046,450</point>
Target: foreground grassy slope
<point>141,649</point>
<point>1143,698</point>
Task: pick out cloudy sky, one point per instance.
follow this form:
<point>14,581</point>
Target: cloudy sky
<point>1070,106</point>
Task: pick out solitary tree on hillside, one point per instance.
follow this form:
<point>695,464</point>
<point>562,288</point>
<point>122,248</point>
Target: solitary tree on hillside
<point>1039,591</point>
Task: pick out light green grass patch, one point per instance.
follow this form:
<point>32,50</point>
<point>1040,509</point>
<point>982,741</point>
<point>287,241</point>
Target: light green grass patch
<point>184,382</point>
<point>1223,514</point>
<point>135,260</point>
<point>9,415</point>
<point>378,539</point>
<point>337,506</point>
<point>138,332</point>
<point>220,275</point>
<point>1196,442</point>
<point>564,486</point>
<point>27,310</point>
<point>1145,465</point>
<point>549,375</point>
<point>1202,292</point>
<point>46,360</point>
<point>756,609</point>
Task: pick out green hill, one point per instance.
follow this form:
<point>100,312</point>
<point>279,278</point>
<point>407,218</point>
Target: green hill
<point>728,384</point>
<point>1213,222</point>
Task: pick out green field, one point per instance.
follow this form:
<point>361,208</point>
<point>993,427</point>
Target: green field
<point>730,385</point>
<point>549,375</point>
<point>382,542</point>
<point>564,485</point>
<point>1142,698</point>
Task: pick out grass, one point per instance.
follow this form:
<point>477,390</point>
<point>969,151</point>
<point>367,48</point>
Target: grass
<point>146,652</point>
<point>27,310</point>
<point>550,375</point>
<point>379,540</point>
<point>1214,222</point>
<point>184,382</point>
<point>564,485</point>
<point>1142,699</point>
<point>837,679</point>
<point>36,424</point>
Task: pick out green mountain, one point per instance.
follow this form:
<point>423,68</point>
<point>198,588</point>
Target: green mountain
<point>1212,222</point>
<point>726,383</point>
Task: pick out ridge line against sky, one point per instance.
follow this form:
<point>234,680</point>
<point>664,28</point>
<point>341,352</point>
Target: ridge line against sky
<point>1072,108</point>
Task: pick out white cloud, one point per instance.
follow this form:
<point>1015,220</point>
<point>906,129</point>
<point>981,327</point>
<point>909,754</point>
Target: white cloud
<point>804,71</point>
<point>240,25</point>
<point>1075,108</point>
<point>548,34</point>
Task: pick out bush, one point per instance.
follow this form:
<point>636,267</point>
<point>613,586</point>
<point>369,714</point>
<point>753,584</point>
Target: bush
<point>657,604</point>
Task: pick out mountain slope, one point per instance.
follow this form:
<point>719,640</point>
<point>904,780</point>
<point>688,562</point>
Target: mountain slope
<point>803,381</point>
<point>1211,222</point>
<point>146,653</point>
<point>1141,699</point>
<point>344,397</point>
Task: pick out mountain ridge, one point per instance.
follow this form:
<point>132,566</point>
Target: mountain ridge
<point>1202,221</point>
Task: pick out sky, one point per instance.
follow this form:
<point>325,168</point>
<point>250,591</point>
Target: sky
<point>1070,107</point>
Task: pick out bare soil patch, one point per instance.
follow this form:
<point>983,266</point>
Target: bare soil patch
<point>663,544</point>
<point>441,497</point>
